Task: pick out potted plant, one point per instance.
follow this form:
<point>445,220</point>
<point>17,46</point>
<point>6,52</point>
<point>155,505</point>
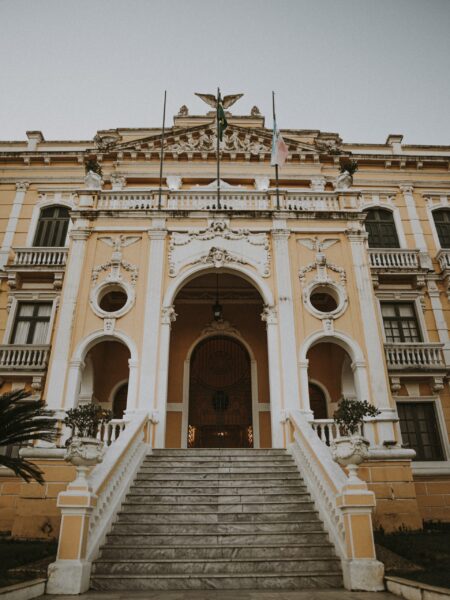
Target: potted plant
<point>84,450</point>
<point>346,171</point>
<point>351,448</point>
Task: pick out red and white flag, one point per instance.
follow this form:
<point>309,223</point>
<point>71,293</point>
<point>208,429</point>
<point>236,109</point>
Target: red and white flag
<point>279,149</point>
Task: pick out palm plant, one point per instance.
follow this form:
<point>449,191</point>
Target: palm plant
<point>23,421</point>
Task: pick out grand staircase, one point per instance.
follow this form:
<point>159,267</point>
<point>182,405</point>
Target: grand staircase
<point>217,519</point>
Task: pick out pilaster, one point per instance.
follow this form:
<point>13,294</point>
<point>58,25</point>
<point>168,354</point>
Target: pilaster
<point>413,218</point>
<point>61,348</point>
<point>21,189</point>
<point>441,323</point>
<point>168,316</point>
<point>269,315</point>
<point>286,320</point>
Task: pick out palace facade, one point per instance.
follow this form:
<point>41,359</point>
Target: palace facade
<point>231,321</point>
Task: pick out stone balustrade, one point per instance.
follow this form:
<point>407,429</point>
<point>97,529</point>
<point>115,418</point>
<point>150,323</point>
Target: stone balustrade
<point>109,432</point>
<point>40,257</point>
<point>24,358</point>
<point>394,259</point>
<point>328,430</point>
<point>414,356</point>
<point>229,200</point>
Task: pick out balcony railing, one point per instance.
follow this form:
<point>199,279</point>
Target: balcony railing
<point>444,260</point>
<point>229,200</point>
<point>394,260</point>
<point>24,358</point>
<point>40,257</point>
<point>414,356</point>
<point>328,430</point>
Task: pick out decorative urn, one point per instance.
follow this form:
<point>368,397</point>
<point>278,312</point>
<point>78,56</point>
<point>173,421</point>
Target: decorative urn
<point>350,452</point>
<point>84,453</point>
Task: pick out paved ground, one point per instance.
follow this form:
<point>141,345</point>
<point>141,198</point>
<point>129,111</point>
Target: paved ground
<point>232,595</point>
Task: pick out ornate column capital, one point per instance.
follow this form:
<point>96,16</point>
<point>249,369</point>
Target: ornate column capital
<point>269,315</point>
<point>80,234</point>
<point>168,315</point>
<point>157,234</point>
<point>280,234</point>
<point>22,186</point>
<point>406,188</point>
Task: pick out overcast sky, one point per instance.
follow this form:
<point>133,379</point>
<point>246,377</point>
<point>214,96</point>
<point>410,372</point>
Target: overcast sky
<point>362,68</point>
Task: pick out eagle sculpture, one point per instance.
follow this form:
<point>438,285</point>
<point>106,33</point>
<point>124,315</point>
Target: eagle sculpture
<point>227,101</point>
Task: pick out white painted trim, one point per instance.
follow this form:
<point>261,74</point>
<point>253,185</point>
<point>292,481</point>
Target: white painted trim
<point>326,393</point>
<point>99,335</point>
<point>186,276</point>
<point>37,297</point>
<point>394,298</point>
<point>115,389</point>
<point>11,226</point>
<point>430,211</point>
<point>56,199</point>
<point>397,219</point>
<point>442,428</point>
<point>253,378</point>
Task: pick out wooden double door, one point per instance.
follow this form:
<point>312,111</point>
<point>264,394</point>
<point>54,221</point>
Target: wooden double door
<point>220,395</point>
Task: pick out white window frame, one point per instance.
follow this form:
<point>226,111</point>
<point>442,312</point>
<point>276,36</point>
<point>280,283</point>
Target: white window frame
<point>432,466</point>
<point>397,220</point>
<point>56,199</point>
<point>399,298</point>
<point>431,207</point>
<point>25,296</point>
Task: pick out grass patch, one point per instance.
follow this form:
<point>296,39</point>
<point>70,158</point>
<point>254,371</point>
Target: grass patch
<point>429,549</point>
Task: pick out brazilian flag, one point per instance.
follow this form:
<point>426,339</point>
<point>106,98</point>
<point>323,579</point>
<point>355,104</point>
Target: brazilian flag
<point>221,119</point>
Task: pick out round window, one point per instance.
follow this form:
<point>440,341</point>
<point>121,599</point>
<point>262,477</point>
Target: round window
<point>324,299</point>
<point>112,298</point>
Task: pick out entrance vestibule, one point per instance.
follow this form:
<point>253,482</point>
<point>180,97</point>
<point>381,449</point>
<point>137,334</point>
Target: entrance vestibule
<point>218,384</point>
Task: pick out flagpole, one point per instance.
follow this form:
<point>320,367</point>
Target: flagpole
<point>218,150</point>
<point>276,166</point>
<point>161,159</point>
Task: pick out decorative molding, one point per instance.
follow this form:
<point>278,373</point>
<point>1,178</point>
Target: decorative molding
<point>269,315</point>
<point>168,315</point>
<point>22,186</point>
<point>220,327</point>
<point>219,245</point>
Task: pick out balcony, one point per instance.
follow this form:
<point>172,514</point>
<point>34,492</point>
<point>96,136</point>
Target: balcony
<point>230,200</point>
<point>415,357</point>
<point>24,359</point>
<point>46,262</point>
<point>387,263</point>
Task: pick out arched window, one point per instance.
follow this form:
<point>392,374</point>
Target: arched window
<point>442,221</point>
<point>317,402</point>
<point>52,227</point>
<point>380,226</point>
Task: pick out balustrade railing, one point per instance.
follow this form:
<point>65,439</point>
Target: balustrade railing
<point>394,259</point>
<point>328,431</point>
<point>40,257</point>
<point>414,356</point>
<point>24,358</point>
<point>109,432</point>
<point>229,200</point>
<point>444,260</point>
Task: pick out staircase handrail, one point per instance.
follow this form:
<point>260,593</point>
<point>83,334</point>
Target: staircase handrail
<point>111,479</point>
<point>323,477</point>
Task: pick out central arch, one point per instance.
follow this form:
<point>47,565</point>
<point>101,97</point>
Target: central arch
<point>242,334</point>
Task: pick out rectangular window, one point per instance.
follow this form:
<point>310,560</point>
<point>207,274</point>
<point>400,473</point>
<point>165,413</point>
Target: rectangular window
<point>400,322</point>
<point>419,429</point>
<point>31,323</point>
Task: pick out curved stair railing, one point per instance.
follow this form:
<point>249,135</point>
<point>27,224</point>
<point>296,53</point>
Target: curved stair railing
<point>89,510</point>
<point>344,507</point>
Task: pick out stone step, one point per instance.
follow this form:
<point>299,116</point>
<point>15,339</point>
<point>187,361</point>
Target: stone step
<point>210,518</point>
<point>222,539</point>
<point>217,452</point>
<point>268,581</point>
<point>215,476</point>
<point>214,566</point>
<point>311,524</point>
<point>273,485</point>
<point>217,460</point>
<point>131,552</point>
<point>140,496</point>
<point>250,469</point>
<point>162,508</point>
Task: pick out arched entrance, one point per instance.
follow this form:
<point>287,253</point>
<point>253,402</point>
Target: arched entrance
<point>220,395</point>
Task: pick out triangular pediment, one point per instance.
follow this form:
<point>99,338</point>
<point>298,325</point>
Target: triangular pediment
<point>202,141</point>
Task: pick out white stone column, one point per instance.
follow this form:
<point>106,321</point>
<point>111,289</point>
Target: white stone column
<point>286,320</point>
<point>168,316</point>
<point>61,347</point>
<point>441,323</point>
<point>413,218</point>
<point>275,385</point>
<point>378,381</point>
<point>304,389</point>
<point>146,399</point>
<point>21,189</point>
<point>133,382</point>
